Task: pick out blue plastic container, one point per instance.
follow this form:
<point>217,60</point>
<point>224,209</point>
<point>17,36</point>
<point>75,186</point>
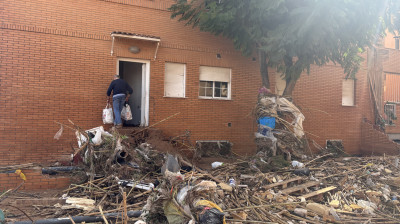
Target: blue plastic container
<point>267,121</point>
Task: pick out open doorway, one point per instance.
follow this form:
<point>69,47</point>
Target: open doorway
<point>135,73</point>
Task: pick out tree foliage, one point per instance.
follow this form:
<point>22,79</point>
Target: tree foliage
<point>291,35</point>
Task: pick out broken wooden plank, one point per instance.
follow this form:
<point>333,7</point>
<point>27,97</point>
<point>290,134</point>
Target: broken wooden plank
<point>282,183</point>
<point>315,193</point>
<point>300,187</point>
<point>39,201</point>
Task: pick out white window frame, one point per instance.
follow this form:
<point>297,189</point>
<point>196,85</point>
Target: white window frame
<point>348,92</point>
<point>184,80</point>
<point>213,87</point>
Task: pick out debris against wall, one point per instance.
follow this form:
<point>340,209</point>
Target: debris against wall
<point>280,127</point>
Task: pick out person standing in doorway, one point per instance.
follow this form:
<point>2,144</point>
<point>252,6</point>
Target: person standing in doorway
<point>120,94</point>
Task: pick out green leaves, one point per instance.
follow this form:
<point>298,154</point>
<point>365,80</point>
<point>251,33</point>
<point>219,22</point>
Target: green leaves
<point>295,34</point>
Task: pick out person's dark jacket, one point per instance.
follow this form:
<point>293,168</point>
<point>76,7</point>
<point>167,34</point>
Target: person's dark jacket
<point>119,86</point>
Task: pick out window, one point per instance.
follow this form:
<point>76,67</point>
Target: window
<point>214,82</point>
<point>392,88</point>
<point>174,80</point>
<point>348,92</point>
<point>390,113</point>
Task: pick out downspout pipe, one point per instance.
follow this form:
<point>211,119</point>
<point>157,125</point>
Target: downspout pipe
<point>80,219</point>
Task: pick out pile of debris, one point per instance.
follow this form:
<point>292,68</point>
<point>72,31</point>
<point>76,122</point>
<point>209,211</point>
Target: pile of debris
<point>339,190</point>
<point>280,129</point>
<point>128,180</point>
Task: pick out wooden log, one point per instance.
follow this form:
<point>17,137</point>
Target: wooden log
<point>300,187</point>
<point>282,183</point>
<point>315,193</point>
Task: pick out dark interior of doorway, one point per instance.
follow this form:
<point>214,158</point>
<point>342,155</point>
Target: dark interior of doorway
<point>131,72</point>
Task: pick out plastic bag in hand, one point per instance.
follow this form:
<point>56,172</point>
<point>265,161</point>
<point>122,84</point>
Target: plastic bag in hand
<point>108,117</point>
<point>126,113</point>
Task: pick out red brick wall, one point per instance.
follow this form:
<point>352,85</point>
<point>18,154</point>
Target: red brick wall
<point>56,65</point>
<point>376,142</point>
<point>319,95</point>
<point>34,181</point>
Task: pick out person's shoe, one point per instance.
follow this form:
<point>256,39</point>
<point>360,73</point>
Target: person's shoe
<point>118,126</point>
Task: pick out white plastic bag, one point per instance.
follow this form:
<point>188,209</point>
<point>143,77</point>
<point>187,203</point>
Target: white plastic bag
<point>97,138</point>
<point>126,113</point>
<point>108,117</point>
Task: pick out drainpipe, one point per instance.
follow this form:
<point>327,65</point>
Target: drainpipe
<point>396,42</point>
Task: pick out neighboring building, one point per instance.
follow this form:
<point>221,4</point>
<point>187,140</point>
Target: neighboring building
<point>58,58</point>
<point>362,113</point>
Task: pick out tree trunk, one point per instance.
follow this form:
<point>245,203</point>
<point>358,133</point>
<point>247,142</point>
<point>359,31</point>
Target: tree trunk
<point>290,84</point>
<point>264,69</point>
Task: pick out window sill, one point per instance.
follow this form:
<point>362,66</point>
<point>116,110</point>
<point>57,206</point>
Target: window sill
<point>210,98</point>
<point>349,105</point>
<point>396,103</point>
<point>175,97</point>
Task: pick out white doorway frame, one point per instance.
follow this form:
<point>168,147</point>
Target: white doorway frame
<point>145,87</point>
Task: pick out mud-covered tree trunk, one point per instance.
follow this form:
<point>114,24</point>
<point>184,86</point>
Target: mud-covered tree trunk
<point>290,81</point>
<point>264,69</point>
<point>290,84</point>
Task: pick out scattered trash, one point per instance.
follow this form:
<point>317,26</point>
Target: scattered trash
<point>369,207</point>
<point>232,182</point>
<point>142,186</point>
<point>297,164</point>
<point>59,133</point>
<point>300,212</point>
<point>267,121</point>
<point>303,171</point>
<point>79,203</point>
<point>2,217</point>
<point>216,164</point>
<point>20,174</point>
<point>211,213</point>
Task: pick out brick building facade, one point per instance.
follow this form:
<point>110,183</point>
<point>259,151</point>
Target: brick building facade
<point>56,64</point>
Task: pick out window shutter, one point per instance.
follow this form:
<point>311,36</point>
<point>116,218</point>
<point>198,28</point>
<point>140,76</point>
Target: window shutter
<point>174,80</point>
<point>348,92</point>
<point>392,88</point>
<point>215,74</point>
